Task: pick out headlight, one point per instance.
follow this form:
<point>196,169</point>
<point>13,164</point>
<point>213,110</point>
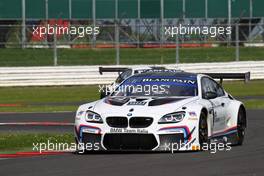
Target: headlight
<point>93,117</point>
<point>172,117</point>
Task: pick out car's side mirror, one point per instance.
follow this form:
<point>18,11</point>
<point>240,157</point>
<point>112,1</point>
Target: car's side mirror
<point>210,95</point>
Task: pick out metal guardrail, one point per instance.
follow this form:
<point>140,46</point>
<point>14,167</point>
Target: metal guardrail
<point>89,75</point>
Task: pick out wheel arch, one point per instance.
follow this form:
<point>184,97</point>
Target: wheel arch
<point>206,111</point>
<point>198,108</point>
<point>232,112</point>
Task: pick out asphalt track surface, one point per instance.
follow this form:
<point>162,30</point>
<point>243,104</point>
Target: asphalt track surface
<point>64,117</point>
<point>246,160</point>
<point>37,117</point>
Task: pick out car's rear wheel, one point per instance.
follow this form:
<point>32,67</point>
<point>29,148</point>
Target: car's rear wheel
<point>203,129</point>
<point>241,126</point>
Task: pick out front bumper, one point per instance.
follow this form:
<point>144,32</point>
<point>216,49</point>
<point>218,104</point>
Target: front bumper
<point>170,138</point>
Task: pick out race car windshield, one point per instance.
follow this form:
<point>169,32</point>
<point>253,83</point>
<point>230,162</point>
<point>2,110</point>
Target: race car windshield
<point>157,86</point>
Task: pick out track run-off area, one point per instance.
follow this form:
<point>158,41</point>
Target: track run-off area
<point>246,160</point>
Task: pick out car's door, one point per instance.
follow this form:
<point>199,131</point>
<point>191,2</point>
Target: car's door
<point>225,101</point>
<point>218,103</point>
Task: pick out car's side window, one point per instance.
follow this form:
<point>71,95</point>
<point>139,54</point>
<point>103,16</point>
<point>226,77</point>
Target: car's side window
<point>123,76</point>
<point>209,85</point>
<point>206,86</point>
<point>220,91</point>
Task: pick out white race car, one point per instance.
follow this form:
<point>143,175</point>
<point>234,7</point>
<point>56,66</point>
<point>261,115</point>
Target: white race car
<point>162,110</point>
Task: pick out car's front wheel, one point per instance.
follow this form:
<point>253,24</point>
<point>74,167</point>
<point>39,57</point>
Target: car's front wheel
<point>241,126</point>
<point>203,130</point>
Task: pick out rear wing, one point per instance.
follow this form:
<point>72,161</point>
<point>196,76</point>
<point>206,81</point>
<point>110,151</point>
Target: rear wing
<point>122,69</point>
<point>112,69</point>
<point>222,76</point>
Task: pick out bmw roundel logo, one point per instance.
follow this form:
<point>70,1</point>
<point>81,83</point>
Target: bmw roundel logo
<point>129,114</point>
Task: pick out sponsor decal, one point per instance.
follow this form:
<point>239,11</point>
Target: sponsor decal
<point>192,118</point>
<point>193,114</point>
<point>140,103</point>
<point>225,132</point>
<point>186,81</point>
<point>125,130</point>
<point>161,71</point>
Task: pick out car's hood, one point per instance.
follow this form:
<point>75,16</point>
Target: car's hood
<point>139,106</point>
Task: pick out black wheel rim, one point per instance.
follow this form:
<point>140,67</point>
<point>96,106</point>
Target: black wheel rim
<point>241,125</point>
<point>203,131</point>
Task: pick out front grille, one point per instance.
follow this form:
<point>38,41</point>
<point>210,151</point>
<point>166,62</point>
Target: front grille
<point>117,122</point>
<point>120,141</point>
<point>140,122</point>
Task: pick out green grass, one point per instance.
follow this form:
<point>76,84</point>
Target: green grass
<point>40,108</point>
<point>29,97</point>
<point>26,96</point>
<point>254,104</point>
<point>43,57</point>
<point>239,88</point>
<point>14,142</point>
<point>253,88</point>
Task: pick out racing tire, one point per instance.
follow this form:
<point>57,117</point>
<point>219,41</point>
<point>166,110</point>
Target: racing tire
<point>241,126</point>
<point>203,130</point>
